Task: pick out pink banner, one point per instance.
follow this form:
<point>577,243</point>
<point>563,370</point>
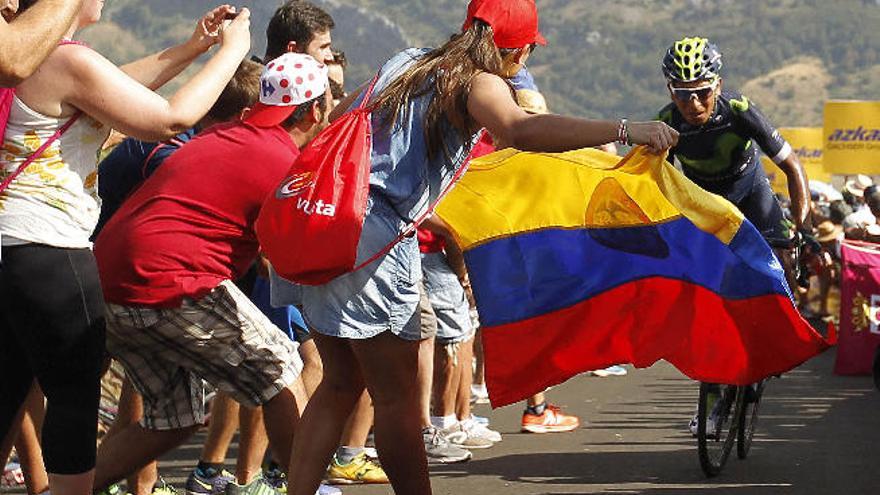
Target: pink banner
<point>859,308</point>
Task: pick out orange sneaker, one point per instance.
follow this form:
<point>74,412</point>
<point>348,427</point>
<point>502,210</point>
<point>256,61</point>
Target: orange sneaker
<point>553,420</point>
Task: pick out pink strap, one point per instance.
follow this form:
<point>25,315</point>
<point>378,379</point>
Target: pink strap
<point>369,93</point>
<point>61,130</point>
<point>174,141</point>
<point>418,221</point>
<point>36,154</point>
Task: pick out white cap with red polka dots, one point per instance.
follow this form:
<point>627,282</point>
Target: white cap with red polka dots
<point>287,82</point>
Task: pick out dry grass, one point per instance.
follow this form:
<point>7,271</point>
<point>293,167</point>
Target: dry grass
<point>792,95</point>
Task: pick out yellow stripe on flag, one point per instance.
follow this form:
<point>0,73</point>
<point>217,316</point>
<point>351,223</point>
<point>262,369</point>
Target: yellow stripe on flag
<point>511,192</point>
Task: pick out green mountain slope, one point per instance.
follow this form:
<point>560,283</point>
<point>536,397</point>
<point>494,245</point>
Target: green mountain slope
<point>603,57</point>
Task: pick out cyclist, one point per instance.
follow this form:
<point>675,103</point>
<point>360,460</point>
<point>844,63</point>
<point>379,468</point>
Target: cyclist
<point>718,131</point>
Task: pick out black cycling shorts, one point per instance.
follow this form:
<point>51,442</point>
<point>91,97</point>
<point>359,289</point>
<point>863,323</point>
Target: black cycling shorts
<point>761,207</point>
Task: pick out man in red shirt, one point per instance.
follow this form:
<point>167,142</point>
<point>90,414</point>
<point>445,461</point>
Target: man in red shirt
<point>167,260</point>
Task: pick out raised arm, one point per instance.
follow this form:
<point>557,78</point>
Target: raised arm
<point>153,71</point>
<point>493,107</point>
<point>108,94</point>
<point>798,190</point>
<point>29,38</point>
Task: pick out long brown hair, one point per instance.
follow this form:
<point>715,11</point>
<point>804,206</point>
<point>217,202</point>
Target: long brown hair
<point>447,72</point>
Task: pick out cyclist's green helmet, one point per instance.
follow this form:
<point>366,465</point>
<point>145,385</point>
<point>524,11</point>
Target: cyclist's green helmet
<point>692,59</point>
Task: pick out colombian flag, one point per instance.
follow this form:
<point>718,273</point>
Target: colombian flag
<point>580,260</point>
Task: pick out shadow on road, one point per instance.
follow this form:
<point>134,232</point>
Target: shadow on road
<point>818,434</point>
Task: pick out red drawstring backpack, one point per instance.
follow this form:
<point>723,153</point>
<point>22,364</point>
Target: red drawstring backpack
<point>310,227</point>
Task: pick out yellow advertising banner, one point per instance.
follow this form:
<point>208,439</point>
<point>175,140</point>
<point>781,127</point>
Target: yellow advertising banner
<point>806,143</point>
<point>852,137</point>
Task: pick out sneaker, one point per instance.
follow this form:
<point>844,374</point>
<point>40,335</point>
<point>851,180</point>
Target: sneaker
<point>371,453</point>
<point>196,484</point>
<point>692,426</point>
<point>483,430</point>
<point>479,394</point>
<point>610,371</point>
<point>110,490</point>
<point>13,476</point>
<point>163,488</point>
<point>258,486</point>
<point>710,426</point>
<point>465,434</point>
<point>553,420</point>
<point>439,450</point>
<point>483,420</point>
<point>360,470</point>
<point>276,477</point>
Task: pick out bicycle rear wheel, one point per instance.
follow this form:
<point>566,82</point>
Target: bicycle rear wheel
<point>748,418</point>
<point>717,425</point>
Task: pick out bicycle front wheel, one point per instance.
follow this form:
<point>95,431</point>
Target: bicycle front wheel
<point>717,424</point>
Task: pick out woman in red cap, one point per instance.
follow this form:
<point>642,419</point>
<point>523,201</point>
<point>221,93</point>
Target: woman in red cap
<point>428,107</point>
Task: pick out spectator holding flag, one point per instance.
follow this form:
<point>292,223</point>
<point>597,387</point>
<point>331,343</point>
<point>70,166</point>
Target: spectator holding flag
<point>428,107</point>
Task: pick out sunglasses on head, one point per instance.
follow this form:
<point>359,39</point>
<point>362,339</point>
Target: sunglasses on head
<point>701,93</point>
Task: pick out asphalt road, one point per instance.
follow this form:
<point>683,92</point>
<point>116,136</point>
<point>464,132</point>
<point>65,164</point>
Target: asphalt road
<point>819,434</point>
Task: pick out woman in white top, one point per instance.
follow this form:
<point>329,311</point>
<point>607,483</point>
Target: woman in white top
<point>51,306</point>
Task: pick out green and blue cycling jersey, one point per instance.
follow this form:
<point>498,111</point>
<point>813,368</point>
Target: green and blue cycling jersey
<point>722,157</point>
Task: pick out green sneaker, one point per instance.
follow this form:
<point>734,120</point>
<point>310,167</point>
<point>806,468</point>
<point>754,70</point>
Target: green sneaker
<point>163,488</point>
<point>276,477</point>
<point>110,490</point>
<point>259,486</point>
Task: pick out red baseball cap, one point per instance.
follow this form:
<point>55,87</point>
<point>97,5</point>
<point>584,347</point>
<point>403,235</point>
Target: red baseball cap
<point>514,22</point>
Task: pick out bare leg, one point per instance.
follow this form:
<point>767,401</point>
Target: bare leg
<point>28,445</point>
<point>537,399</point>
<point>281,415</point>
<point>224,420</point>
<point>424,379</point>
<point>357,429</point>
<point>132,448</point>
<point>388,365</point>
<point>466,379</point>
<point>479,367</point>
<point>70,484</point>
<point>446,381</point>
<point>329,408</point>
<point>131,410</point>
<point>313,368</point>
<point>252,444</point>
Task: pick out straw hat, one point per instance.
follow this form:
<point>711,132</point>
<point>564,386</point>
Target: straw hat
<point>828,231</point>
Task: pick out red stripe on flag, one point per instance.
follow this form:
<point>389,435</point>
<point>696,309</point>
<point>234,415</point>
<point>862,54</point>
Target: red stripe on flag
<point>705,336</point>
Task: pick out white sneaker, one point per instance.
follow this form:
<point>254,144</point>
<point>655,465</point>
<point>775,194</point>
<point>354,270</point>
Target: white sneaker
<point>462,434</point>
<point>692,426</point>
<point>482,430</point>
<point>610,371</point>
<point>710,426</point>
<point>328,490</point>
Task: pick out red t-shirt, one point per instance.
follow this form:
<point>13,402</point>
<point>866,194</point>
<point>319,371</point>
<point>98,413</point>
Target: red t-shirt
<point>190,225</point>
